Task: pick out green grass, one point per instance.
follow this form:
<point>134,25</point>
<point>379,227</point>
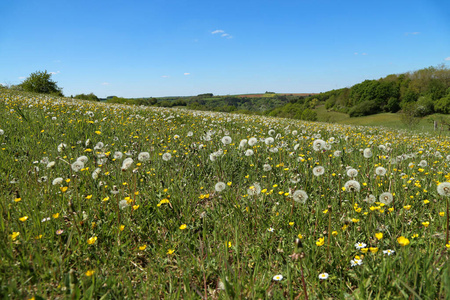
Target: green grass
<point>215,219</point>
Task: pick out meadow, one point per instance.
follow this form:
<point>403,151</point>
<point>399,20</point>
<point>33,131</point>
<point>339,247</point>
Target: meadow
<point>109,201</point>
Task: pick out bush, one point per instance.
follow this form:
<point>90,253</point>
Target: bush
<point>40,82</point>
<point>364,109</point>
<point>90,97</point>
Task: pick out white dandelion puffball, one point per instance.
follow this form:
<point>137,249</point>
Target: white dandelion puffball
<point>77,166</point>
<point>57,181</point>
<point>2,132</point>
<point>337,153</point>
<point>252,142</point>
<point>123,204</point>
<point>423,163</point>
<point>271,132</point>
<point>352,173</point>
<point>242,144</point>
<point>127,163</point>
<point>143,156</point>
<point>254,190</point>
<point>267,167</point>
<point>167,156</point>
<point>61,147</point>
<point>269,140</point>
<point>386,198</point>
<point>249,152</point>
<point>51,164</point>
<point>300,196</point>
<point>99,146</point>
<point>367,153</point>
<point>323,276</point>
<point>118,155</point>
<point>370,199</point>
<point>83,159</point>
<point>319,145</point>
<point>380,171</point>
<point>96,173</point>
<point>226,140</point>
<point>220,186</point>
<point>319,170</point>
<point>443,189</point>
<point>352,186</point>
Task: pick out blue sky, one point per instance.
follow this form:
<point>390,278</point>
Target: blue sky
<point>164,47</point>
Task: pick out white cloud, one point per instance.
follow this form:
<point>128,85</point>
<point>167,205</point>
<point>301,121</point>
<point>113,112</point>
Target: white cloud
<point>165,76</point>
<point>54,73</point>
<point>22,77</point>
<point>217,31</point>
<point>356,53</point>
<point>222,33</point>
<point>105,83</point>
<point>187,73</point>
<point>447,58</point>
<point>412,33</point>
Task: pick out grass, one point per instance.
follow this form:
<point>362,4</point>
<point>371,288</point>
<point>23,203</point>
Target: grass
<point>109,201</point>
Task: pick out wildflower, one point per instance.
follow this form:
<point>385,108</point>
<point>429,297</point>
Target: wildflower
<point>403,241</point>
<point>300,196</point>
<point>167,156</point>
<point>183,226</point>
<point>386,198</point>
<point>352,173</point>
<point>51,164</point>
<point>77,165</point>
<point>277,277</point>
<point>426,224</point>
<point>323,276</point>
<point>123,204</point>
<point>142,247</point>
<point>89,273</point>
<point>360,245</point>
<point>380,171</point>
<point>320,241</point>
<point>370,199</point>
<point>96,173</point>
<point>14,235</point>
<point>267,167</point>
<point>252,141</point>
<point>352,186</point>
<point>367,153</point>
<point>269,141</point>
<point>291,223</point>
<point>226,140</point>
<point>373,249</point>
<point>23,219</point>
<point>300,236</point>
<point>220,186</point>
<point>443,189</point>
<point>118,155</point>
<point>441,213</point>
<point>61,147</point>
<point>319,170</point>
<point>249,152</point>
<point>127,163</point>
<point>92,240</point>
<point>121,227</point>
<point>356,262</point>
<point>379,235</point>
<point>57,181</point>
<point>254,190</point>
<point>170,251</point>
<point>59,231</point>
<point>55,216</point>
<point>135,207</point>
<point>334,233</point>
<point>388,252</point>
<point>270,229</point>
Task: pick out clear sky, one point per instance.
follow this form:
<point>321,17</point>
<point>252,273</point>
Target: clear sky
<point>187,47</point>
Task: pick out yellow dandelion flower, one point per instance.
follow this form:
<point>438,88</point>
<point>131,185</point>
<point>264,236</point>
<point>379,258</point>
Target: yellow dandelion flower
<point>320,242</point>
<point>63,189</point>
<point>170,251</point>
<point>402,241</point>
<point>23,219</point>
<point>426,224</point>
<point>441,213</point>
<point>182,227</point>
<point>55,216</point>
<point>14,235</point>
<point>135,207</point>
<point>142,247</point>
<point>17,199</point>
<point>92,240</point>
<point>364,250</point>
<point>88,197</point>
<point>89,273</point>
<point>373,249</point>
<point>122,227</point>
<point>300,236</point>
<point>334,233</point>
<point>379,235</point>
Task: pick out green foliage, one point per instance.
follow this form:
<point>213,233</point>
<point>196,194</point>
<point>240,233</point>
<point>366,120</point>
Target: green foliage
<point>309,115</point>
<point>90,97</point>
<point>364,109</point>
<point>410,115</point>
<point>41,82</point>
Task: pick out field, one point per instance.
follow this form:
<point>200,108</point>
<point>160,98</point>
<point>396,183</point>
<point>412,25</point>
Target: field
<point>112,201</point>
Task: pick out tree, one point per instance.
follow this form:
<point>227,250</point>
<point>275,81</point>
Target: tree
<point>91,97</point>
<point>40,82</point>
